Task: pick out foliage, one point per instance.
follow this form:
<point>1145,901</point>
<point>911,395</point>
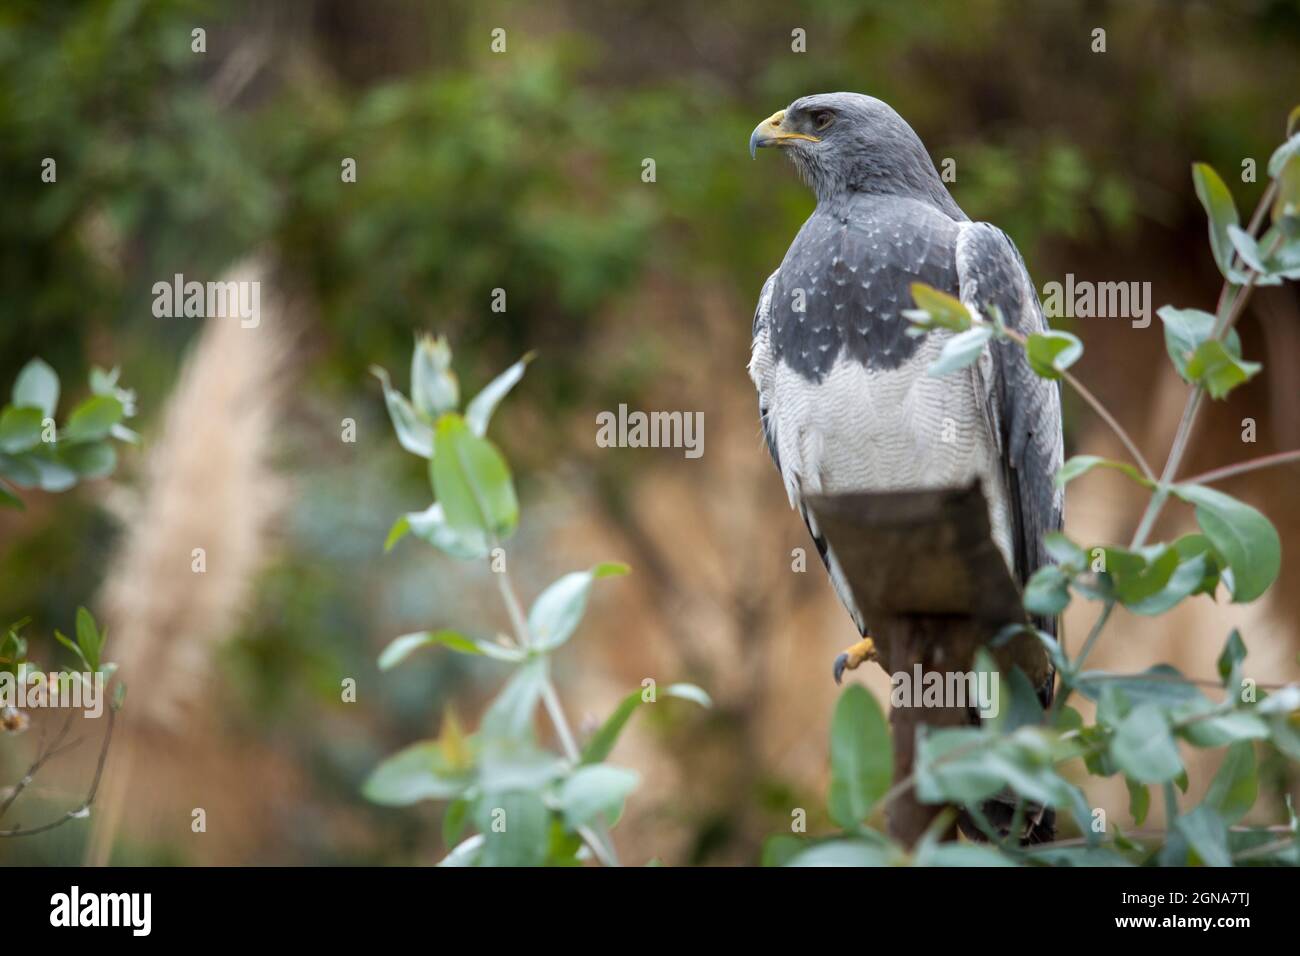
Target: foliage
<point>35,453</point>
<point>528,805</point>
<point>1142,719</point>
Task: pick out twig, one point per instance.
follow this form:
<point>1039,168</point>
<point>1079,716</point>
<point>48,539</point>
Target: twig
<point>1115,426</point>
<point>1227,471</point>
<point>1095,404</point>
<point>90,797</point>
<point>44,756</point>
<point>602,848</point>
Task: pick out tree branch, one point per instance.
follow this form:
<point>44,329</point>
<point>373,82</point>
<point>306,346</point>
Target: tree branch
<point>90,797</point>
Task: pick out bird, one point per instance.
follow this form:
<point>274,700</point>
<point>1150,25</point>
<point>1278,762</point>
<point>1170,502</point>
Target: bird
<point>844,398</point>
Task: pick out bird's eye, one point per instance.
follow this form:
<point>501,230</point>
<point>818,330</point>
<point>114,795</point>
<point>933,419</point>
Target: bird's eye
<point>823,118</point>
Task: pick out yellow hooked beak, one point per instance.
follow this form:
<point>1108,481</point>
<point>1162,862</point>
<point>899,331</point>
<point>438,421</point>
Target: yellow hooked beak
<point>772,132</point>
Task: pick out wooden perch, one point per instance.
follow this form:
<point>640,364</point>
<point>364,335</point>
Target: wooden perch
<point>933,587</point>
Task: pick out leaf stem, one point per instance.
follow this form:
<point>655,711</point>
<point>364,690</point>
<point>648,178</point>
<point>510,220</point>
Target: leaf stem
<point>601,846</point>
<point>1241,467</point>
<point>1095,404</point>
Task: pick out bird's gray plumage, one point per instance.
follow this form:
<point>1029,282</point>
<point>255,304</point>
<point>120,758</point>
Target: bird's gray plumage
<point>844,398</point>
<point>883,221</point>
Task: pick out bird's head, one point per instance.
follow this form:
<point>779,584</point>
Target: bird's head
<point>850,142</point>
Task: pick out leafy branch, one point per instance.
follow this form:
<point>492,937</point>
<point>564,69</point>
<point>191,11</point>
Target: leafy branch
<point>529,806</point>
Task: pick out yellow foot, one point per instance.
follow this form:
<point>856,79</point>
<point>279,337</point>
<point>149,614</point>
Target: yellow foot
<point>864,650</point>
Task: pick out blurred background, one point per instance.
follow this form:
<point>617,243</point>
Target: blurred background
<point>522,170</point>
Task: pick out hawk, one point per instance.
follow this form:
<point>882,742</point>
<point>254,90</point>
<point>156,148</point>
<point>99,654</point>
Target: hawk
<point>843,395</point>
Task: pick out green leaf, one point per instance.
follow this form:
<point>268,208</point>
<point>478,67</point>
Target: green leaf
<point>1064,551</point>
<point>75,648</point>
<point>1091,856</point>
<point>951,767</point>
<point>402,647</point>
<point>1015,700</point>
<point>478,413</point>
<point>92,420</point>
<point>1139,801</point>
<point>401,527</point>
<point>861,757</point>
<point>696,695</point>
<point>1242,536</point>
<point>1051,353</point>
<point>962,854</point>
<point>1138,576</point>
<point>510,716</point>
<point>413,433</point>
<point>1227,728</point>
<point>515,828</point>
<point>434,388</point>
<point>88,638</point>
<point>1235,786</point>
<point>558,610</point>
<point>471,480</point>
<point>1230,658</point>
<point>1251,254</point>
<point>937,309</point>
<point>431,525</point>
<point>1186,579</point>
<point>1284,700</point>
<point>603,740</point>
<point>1222,213</point>
<point>1289,149</point>
<point>1080,464</point>
<point>844,853</point>
<point>466,853</point>
<point>1047,592</point>
<point>1214,367</point>
<point>1161,685</point>
<point>1286,207</point>
<point>1186,330</point>
<point>20,429</point>
<point>506,764</point>
<point>37,386</point>
<point>1144,748</point>
<point>1206,835</point>
<point>454,819</point>
<point>89,460</point>
<point>596,790</point>
<point>961,350</point>
<point>780,849</point>
<point>420,772</point>
<point>52,475</point>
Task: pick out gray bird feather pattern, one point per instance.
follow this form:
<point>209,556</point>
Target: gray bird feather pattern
<point>844,398</point>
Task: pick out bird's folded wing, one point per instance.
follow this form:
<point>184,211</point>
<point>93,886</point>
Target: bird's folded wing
<point>1025,409</point>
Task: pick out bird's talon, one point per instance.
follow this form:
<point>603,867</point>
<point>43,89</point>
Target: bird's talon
<point>853,657</point>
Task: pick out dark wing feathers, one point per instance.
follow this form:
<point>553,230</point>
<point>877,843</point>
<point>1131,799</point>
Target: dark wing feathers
<point>1025,409</point>
<point>845,279</point>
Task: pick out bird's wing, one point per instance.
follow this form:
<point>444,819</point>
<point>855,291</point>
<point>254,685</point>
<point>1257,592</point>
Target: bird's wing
<point>1024,409</point>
